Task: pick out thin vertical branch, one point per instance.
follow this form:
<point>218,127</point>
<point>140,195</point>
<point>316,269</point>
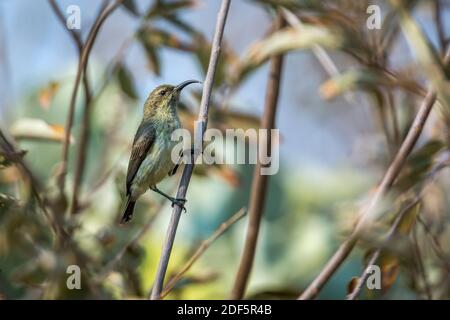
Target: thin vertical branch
<point>187,173</point>
<point>260,182</point>
<point>435,245</point>
<point>419,260</point>
<point>81,68</point>
<point>84,134</point>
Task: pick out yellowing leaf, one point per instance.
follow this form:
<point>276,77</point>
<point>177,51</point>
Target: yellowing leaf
<point>46,94</point>
<point>162,8</point>
<point>425,53</point>
<point>352,284</point>
<point>292,39</point>
<point>389,270</point>
<point>37,129</point>
<point>408,220</point>
<point>355,79</point>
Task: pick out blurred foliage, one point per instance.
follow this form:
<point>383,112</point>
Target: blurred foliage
<point>303,221</point>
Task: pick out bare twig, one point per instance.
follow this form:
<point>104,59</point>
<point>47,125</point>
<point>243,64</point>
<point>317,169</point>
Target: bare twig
<point>11,152</point>
<point>373,259</point>
<point>137,237</point>
<point>260,181</point>
<point>431,177</point>
<point>320,53</point>
<point>201,249</point>
<point>187,173</point>
<point>84,133</point>
<point>435,245</point>
<point>419,260</point>
<point>81,68</point>
<point>369,212</point>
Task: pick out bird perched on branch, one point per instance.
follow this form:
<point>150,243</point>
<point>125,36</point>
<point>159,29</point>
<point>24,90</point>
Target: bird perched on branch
<point>150,159</point>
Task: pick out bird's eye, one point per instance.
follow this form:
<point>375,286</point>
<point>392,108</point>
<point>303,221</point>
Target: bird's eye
<point>162,93</point>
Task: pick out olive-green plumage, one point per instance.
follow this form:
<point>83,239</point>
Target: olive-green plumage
<point>150,159</point>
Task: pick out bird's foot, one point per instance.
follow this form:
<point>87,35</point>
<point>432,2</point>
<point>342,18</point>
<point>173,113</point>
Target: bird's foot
<point>179,202</point>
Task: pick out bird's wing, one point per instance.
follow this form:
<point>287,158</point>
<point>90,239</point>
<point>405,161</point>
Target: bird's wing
<point>143,142</point>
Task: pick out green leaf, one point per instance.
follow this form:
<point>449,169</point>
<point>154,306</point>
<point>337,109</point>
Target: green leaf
<point>293,39</point>
<point>131,7</point>
<point>408,220</point>
<point>426,54</point>
<point>151,53</point>
<point>227,59</point>
<point>163,8</point>
<point>284,41</point>
<point>9,202</point>
<point>156,38</point>
<point>181,24</point>
<point>419,165</point>
<point>126,82</point>
<point>355,79</point>
<point>5,161</point>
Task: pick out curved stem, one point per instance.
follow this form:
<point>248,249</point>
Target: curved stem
<point>369,213</point>
<point>81,68</point>
<point>187,173</point>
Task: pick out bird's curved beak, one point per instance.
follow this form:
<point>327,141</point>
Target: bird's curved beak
<point>184,84</point>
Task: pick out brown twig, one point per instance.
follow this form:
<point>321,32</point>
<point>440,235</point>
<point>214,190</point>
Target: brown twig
<point>137,237</point>
<point>372,260</point>
<point>201,249</point>
<point>369,212</point>
<point>374,257</point>
<point>11,152</point>
<point>419,260</point>
<point>187,172</point>
<point>80,163</point>
<point>84,133</point>
<point>260,181</point>
<point>81,68</point>
<point>435,245</point>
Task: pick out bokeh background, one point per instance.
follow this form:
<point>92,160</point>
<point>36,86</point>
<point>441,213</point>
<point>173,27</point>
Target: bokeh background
<point>333,151</point>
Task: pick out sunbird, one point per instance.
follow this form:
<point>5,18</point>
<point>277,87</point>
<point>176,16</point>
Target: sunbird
<point>150,160</point>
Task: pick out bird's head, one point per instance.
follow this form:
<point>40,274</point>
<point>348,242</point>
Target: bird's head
<point>164,97</point>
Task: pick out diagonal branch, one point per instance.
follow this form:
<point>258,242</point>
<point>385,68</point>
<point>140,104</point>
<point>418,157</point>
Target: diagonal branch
<point>367,214</point>
<point>260,181</point>
<point>187,173</point>
<point>201,249</point>
<point>374,257</point>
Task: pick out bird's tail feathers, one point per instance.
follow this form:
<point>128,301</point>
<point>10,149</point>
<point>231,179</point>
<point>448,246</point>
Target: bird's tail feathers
<point>128,212</point>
